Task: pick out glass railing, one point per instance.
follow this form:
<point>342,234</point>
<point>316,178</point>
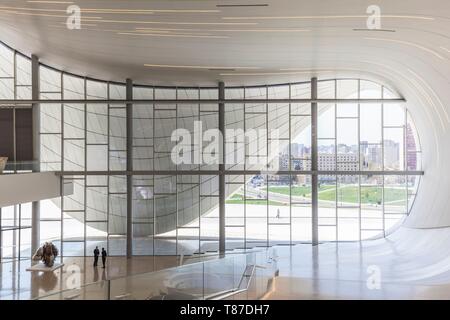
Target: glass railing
<point>11,167</point>
<point>238,276</point>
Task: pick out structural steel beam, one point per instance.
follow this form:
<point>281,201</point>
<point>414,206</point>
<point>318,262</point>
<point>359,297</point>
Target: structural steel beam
<point>9,102</point>
<point>240,172</point>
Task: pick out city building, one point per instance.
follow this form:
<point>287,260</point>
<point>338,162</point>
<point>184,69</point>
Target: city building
<point>411,157</point>
<point>392,154</point>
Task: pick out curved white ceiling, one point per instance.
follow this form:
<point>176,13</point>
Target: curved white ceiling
<point>288,40</point>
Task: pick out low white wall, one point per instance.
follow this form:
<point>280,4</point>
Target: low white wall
<point>29,187</point>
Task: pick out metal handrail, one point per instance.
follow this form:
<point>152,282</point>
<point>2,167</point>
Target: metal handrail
<point>226,294</point>
<point>231,292</point>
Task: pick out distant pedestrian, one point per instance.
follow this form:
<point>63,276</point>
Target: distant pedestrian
<point>96,254</point>
<point>278,213</point>
<point>104,255</point>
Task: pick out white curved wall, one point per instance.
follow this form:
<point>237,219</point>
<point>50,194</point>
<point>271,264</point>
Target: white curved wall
<point>427,91</point>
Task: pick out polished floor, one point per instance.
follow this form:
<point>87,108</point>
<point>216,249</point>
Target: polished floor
<point>17,283</point>
<point>409,264</point>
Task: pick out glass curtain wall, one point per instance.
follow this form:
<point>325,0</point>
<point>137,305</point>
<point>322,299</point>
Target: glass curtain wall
<point>166,216</point>
<point>15,221</point>
<point>178,214</point>
<point>268,168</point>
<point>270,209</point>
<point>367,137</point>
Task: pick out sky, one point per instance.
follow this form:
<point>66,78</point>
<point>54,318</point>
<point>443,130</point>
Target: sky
<point>370,124</point>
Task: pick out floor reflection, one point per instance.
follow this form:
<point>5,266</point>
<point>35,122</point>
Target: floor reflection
<point>45,281</point>
<point>17,283</point>
<point>409,264</point>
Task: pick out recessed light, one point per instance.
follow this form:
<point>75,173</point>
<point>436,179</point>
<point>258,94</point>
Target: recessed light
<point>221,69</point>
<point>241,5</point>
<point>225,30</point>
<point>375,30</point>
<point>174,22</point>
<point>171,35</point>
<point>326,17</point>
<point>33,14</point>
<point>198,67</point>
<point>151,11</point>
<point>50,2</point>
<point>108,10</point>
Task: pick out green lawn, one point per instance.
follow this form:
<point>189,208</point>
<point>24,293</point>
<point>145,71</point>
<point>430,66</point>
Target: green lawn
<point>257,202</point>
<point>349,194</point>
<point>239,199</point>
<point>297,190</point>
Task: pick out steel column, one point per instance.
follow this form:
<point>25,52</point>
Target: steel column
<point>314,165</point>
<point>222,170</point>
<point>35,92</point>
<point>129,114</point>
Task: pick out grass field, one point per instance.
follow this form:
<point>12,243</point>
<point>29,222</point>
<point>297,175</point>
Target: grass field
<point>369,195</point>
<point>297,191</point>
<point>349,194</point>
<point>239,199</point>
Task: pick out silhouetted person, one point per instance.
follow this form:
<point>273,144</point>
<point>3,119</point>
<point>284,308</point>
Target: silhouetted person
<point>104,255</point>
<point>96,254</point>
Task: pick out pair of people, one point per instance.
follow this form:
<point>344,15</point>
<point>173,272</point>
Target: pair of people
<point>96,255</point>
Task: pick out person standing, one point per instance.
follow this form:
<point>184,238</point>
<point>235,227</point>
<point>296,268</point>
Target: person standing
<point>96,254</point>
<point>104,255</point>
